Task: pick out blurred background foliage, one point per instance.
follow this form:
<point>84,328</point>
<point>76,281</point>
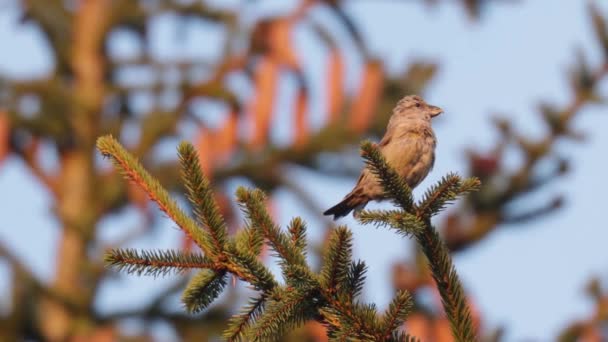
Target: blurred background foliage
<point>225,101</point>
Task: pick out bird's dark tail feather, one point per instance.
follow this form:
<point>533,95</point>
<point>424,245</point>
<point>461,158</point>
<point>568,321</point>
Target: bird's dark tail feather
<point>352,201</point>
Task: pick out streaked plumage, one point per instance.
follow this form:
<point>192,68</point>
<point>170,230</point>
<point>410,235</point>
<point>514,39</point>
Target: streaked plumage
<point>408,146</point>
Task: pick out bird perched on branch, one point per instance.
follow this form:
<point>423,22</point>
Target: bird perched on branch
<point>408,146</point>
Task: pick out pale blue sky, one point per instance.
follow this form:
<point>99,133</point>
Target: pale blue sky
<point>529,278</point>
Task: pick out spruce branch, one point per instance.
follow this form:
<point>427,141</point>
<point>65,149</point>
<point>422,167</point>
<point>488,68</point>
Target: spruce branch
<point>200,195</point>
<point>394,186</point>
<point>238,324</point>
<point>397,312</point>
<point>348,321</point>
<point>297,234</point>
<point>355,278</point>
<point>299,276</point>
<point>294,308</point>
<point>359,321</point>
<point>133,170</point>
<point>203,289</point>
<point>155,263</point>
<point>404,223</point>
<point>448,284</point>
<point>328,297</point>
<point>345,319</point>
<point>253,202</point>
<point>435,250</point>
<point>445,191</point>
<point>249,239</point>
<point>247,267</point>
<point>399,336</point>
<point>336,260</point>
<point>340,327</point>
<point>293,261</point>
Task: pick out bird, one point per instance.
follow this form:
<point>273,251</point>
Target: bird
<point>408,147</point>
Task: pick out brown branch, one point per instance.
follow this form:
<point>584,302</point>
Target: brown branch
<point>29,155</point>
<point>488,214</point>
<point>33,281</point>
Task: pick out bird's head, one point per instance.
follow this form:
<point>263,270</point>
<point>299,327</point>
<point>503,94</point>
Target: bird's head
<point>413,106</point>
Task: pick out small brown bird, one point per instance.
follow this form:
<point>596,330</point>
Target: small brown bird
<point>408,146</point>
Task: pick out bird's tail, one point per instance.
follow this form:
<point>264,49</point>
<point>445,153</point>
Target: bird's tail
<point>353,201</point>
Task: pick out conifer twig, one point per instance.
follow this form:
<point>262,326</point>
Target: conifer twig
<point>247,267</point>
<point>297,234</point>
<point>448,284</point>
<point>155,263</point>
<point>292,310</point>
<point>328,297</point>
<point>399,336</point>
<point>203,289</point>
<point>446,190</point>
<point>404,223</point>
<point>336,259</point>
<point>200,195</point>
<point>135,172</point>
<point>248,316</point>
<point>397,311</point>
<point>436,252</point>
<point>249,240</point>
<point>354,280</point>
<point>394,186</point>
<point>252,201</point>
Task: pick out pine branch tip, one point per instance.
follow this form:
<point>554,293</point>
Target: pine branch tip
<point>105,144</point>
<point>366,147</point>
<point>185,145</point>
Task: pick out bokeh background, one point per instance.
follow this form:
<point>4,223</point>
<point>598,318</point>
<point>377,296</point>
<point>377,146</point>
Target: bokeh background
<point>278,94</point>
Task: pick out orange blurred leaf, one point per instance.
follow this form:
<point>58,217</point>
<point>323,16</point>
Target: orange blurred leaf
<point>105,333</point>
<point>366,101</point>
<point>203,143</point>
<point>226,210</point>
<point>591,333</point>
<point>419,325</point>
<point>265,80</point>
<point>301,129</point>
<point>226,138</point>
<point>317,332</point>
<point>443,331</point>
<point>335,85</point>
<point>405,277</point>
<point>281,43</point>
<point>5,131</point>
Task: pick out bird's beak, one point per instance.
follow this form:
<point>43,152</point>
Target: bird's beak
<point>435,111</point>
